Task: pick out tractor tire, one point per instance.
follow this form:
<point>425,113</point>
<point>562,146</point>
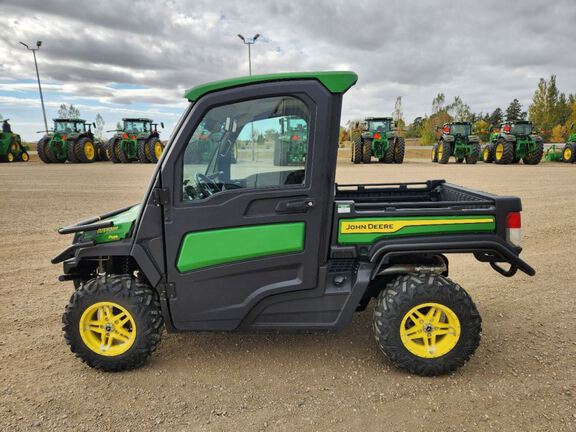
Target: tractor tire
<point>102,155</point>
<point>85,150</point>
<point>121,154</point>
<point>389,153</point>
<point>113,150</point>
<point>488,153</point>
<point>444,152</point>
<point>474,155</point>
<point>569,153</point>
<point>426,324</point>
<point>72,156</point>
<point>24,156</point>
<point>399,150</point>
<point>113,323</point>
<point>435,153</point>
<point>367,152</point>
<point>142,158</point>
<point>535,157</point>
<point>504,152</point>
<point>357,150</point>
<point>42,147</point>
<point>154,149</point>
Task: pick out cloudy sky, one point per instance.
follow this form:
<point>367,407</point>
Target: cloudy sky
<point>136,57</point>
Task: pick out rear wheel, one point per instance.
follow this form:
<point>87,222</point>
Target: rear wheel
<point>72,156</point>
<point>472,158</point>
<point>389,153</point>
<point>112,149</point>
<point>569,153</point>
<point>367,151</point>
<point>41,148</point>
<point>488,153</point>
<point>357,150</point>
<point>113,323</point>
<point>399,150</point>
<point>154,149</point>
<point>121,152</point>
<point>444,151</point>
<point>24,156</point>
<point>435,153</point>
<point>85,150</point>
<point>426,324</point>
<point>504,152</point>
<point>534,157</point>
<point>142,152</point>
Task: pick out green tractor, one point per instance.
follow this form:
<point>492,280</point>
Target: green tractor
<point>378,138</point>
<point>292,142</point>
<point>514,141</point>
<point>71,140</point>
<point>138,140</point>
<point>457,140</point>
<point>11,147</point>
<point>201,152</point>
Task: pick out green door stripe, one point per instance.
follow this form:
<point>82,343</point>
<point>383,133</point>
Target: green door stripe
<point>201,249</point>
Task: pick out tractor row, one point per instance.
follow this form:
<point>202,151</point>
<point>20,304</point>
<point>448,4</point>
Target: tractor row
<point>377,137</point>
<point>72,140</point>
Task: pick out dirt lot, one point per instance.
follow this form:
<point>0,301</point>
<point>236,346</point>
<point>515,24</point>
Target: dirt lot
<point>523,377</point>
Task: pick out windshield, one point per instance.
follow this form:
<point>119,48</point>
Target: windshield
<point>379,125</point>
<point>67,127</point>
<point>460,129</point>
<point>136,126</point>
<point>244,145</point>
<point>521,129</point>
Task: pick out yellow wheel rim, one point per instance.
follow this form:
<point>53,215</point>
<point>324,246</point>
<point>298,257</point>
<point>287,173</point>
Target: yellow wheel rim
<point>10,157</point>
<point>158,149</point>
<point>499,151</point>
<point>567,153</point>
<point>107,329</point>
<point>433,152</point>
<point>440,150</point>
<point>89,150</point>
<point>430,330</point>
<point>486,154</point>
<point>25,157</point>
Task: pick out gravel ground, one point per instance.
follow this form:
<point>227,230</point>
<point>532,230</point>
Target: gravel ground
<point>522,378</point>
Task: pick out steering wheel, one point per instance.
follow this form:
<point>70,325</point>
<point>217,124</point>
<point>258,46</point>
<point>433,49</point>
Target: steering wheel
<point>207,185</point>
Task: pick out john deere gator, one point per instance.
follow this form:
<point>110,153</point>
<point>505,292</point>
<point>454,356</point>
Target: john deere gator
<point>457,140</point>
<point>138,140</point>
<point>380,140</point>
<point>11,147</point>
<point>71,140</point>
<point>292,142</point>
<point>513,142</point>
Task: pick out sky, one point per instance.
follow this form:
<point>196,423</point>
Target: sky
<point>136,57</point>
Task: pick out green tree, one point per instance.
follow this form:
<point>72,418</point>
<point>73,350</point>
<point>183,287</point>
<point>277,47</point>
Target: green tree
<point>481,128</point>
<point>68,112</point>
<point>459,110</point>
<point>514,111</point>
<point>438,103</point>
<point>496,117</point>
<point>414,129</point>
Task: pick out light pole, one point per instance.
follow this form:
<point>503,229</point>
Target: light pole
<point>38,45</point>
<point>249,42</point>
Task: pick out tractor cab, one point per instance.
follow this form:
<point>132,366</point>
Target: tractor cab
<point>137,125</point>
<point>379,124</point>
<point>462,129</point>
<point>70,126</point>
<point>517,128</point>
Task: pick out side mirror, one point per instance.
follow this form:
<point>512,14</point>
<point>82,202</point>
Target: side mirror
<point>162,124</point>
<point>93,124</point>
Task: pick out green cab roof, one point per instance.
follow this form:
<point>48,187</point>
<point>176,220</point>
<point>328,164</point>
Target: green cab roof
<point>335,82</point>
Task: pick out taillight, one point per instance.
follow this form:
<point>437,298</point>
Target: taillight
<point>125,136</point>
<point>133,137</point>
<point>295,138</point>
<point>514,228</point>
<point>377,136</point>
<point>64,137</point>
<point>507,128</point>
<point>447,129</point>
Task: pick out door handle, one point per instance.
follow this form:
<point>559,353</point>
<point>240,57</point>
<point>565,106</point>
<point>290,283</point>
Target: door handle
<point>295,206</point>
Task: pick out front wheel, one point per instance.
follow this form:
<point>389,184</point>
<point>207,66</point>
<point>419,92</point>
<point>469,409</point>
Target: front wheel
<point>435,153</point>
<point>488,154</point>
<point>357,150</point>
<point>444,151</point>
<point>113,323</point>
<point>426,324</point>
<point>569,153</point>
<point>367,152</point>
<point>399,150</point>
<point>154,149</point>
<point>535,156</point>
<point>474,154</point>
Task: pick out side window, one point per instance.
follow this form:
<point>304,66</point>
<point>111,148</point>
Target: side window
<point>255,144</point>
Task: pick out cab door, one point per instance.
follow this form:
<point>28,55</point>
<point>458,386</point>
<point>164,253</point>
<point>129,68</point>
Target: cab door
<point>248,214</point>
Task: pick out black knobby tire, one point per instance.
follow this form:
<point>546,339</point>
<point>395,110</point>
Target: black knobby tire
<point>150,146</point>
<point>435,152</point>
<point>507,152</point>
<point>82,152</point>
<point>42,147</point>
<point>142,152</point>
<point>72,156</point>
<point>488,153</point>
<point>121,153</point>
<point>446,151</point>
<point>474,155</point>
<point>408,291</point>
<point>569,153</point>
<point>112,149</point>
<point>535,157</point>
<point>357,150</point>
<point>389,153</point>
<point>399,150</point>
<point>102,153</point>
<point>139,299</point>
<point>367,151</point>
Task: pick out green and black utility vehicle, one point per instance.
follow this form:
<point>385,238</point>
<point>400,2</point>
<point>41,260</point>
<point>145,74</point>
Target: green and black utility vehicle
<point>11,147</point>
<point>456,139</point>
<point>513,142</point>
<point>138,140</point>
<point>71,140</point>
<point>378,139</point>
<point>291,143</point>
<point>225,246</point>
